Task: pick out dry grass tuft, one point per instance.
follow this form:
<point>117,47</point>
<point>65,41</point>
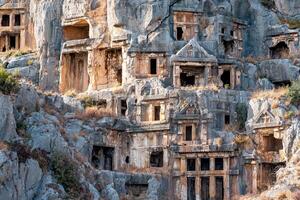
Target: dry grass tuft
<point>275,105</point>
<point>273,94</point>
<point>71,93</point>
<point>94,112</point>
<point>3,145</point>
<point>211,87</point>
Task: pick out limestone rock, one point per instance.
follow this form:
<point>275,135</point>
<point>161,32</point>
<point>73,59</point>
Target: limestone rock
<point>21,180</point>
<point>48,33</point>
<point>27,100</point>
<point>7,122</point>
<point>45,132</point>
<point>278,70</point>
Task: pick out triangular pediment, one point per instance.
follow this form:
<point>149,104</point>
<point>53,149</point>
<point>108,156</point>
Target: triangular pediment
<point>193,51</point>
<point>265,117</point>
<point>189,109</point>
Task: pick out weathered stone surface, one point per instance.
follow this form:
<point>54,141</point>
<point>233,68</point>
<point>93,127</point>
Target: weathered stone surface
<point>7,122</point>
<point>27,100</point>
<point>278,70</point>
<point>45,132</point>
<point>21,180</point>
<point>48,33</point>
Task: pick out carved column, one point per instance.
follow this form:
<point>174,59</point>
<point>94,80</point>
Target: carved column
<point>226,179</point>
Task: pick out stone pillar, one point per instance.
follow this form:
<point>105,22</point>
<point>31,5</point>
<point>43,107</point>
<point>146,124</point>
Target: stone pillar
<point>150,112</point>
<point>206,74</point>
<point>138,112</point>
<point>176,76</point>
<point>203,132</point>
<point>254,177</point>
<point>226,179</point>
<point>212,187</point>
<point>212,164</point>
<point>197,186</point>
<point>162,111</point>
<point>17,41</point>
<point>232,78</point>
<point>194,135</point>
<point>183,179</point>
<point>237,78</point>
<point>11,21</point>
<point>6,43</point>
<point>198,163</point>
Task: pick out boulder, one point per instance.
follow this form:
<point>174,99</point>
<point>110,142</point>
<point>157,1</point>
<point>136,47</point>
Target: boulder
<point>278,70</point>
<point>44,131</point>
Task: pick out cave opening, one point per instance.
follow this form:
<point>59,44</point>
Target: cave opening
<point>281,50</point>
<point>225,78</point>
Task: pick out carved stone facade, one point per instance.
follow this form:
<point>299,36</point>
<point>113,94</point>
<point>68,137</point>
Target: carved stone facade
<point>16,28</point>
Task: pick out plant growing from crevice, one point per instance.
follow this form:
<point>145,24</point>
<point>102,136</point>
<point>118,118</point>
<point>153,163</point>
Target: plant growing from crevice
<point>241,111</point>
<point>66,173</point>
<point>294,92</point>
<point>8,82</point>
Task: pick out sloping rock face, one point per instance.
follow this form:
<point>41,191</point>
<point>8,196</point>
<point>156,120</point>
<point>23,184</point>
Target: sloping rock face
<point>20,180</point>
<point>7,122</point>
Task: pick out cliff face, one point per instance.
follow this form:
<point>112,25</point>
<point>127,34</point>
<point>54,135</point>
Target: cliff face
<point>48,32</point>
<point>146,99</point>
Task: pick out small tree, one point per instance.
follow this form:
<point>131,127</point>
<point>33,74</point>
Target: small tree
<point>8,82</point>
<point>66,173</point>
<point>294,92</point>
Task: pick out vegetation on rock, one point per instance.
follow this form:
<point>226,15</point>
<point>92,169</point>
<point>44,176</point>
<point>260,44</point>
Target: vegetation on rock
<point>8,82</point>
<point>66,173</point>
<point>292,23</point>
<point>294,92</point>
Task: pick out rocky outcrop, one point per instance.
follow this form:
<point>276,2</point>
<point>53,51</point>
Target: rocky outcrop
<point>48,34</point>
<point>19,180</point>
<point>278,70</point>
<point>44,131</point>
<point>7,122</point>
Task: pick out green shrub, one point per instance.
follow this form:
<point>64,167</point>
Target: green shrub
<point>88,101</point>
<point>292,23</point>
<point>8,82</point>
<point>66,173</point>
<point>241,111</point>
<point>270,4</point>
<point>294,92</point>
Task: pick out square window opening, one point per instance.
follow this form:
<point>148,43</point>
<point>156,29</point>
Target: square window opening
<point>219,164</point>
<point>205,164</point>
<point>153,66</point>
<point>188,133</point>
<point>191,164</point>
